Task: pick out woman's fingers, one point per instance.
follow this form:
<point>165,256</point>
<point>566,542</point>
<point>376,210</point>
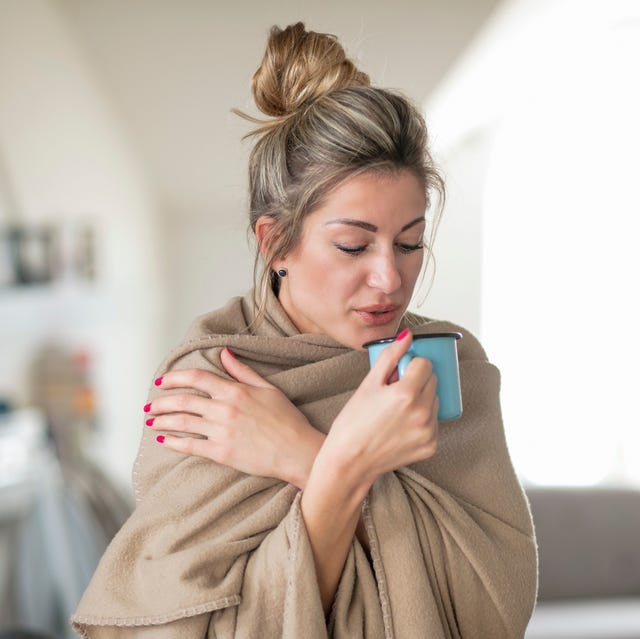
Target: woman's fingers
<point>182,423</point>
<point>418,372</point>
<point>429,397</point>
<point>203,381</point>
<point>244,422</point>
<point>179,403</point>
<point>191,414</point>
<point>193,446</point>
<point>388,359</point>
<point>194,435</point>
<point>241,372</point>
<point>209,383</point>
<point>217,402</point>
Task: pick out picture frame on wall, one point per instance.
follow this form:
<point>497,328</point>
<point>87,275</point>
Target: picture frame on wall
<point>41,255</point>
<point>27,256</point>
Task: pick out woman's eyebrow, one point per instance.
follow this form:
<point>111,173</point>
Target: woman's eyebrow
<point>371,227</point>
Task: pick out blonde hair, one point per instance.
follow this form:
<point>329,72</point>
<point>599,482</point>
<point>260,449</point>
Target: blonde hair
<point>327,124</point>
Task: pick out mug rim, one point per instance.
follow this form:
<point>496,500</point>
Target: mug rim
<point>387,340</point>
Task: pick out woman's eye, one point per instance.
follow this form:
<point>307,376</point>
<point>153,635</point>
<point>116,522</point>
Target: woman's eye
<point>350,250</point>
<point>409,248</point>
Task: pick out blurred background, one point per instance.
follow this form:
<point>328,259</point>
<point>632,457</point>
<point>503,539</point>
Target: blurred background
<point>123,215</point>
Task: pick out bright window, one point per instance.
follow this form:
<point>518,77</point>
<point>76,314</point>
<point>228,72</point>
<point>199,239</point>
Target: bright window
<point>560,263</point>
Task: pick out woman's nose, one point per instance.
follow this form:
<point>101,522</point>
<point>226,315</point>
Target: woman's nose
<point>384,274</point>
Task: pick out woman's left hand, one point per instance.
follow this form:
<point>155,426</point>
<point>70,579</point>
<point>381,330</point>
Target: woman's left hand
<point>247,424</point>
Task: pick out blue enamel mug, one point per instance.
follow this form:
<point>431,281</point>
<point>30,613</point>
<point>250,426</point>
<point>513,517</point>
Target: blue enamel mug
<point>442,350</point>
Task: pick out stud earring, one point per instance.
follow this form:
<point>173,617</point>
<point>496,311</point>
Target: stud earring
<point>282,272</point>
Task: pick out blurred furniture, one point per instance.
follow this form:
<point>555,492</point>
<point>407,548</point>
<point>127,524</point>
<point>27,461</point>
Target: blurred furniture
<point>23,634</point>
<point>589,549</point>
<point>56,519</point>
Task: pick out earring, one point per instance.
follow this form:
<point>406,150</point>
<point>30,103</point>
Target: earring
<point>282,272</point>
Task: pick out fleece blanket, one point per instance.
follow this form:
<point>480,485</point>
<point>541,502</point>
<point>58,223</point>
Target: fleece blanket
<point>210,552</point>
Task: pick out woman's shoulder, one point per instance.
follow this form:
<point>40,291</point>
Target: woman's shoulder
<point>469,346</point>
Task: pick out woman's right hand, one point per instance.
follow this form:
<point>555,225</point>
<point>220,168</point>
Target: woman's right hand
<point>388,425</point>
<point>385,425</point>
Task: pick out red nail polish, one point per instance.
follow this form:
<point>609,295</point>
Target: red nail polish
<point>402,335</point>
<point>158,381</point>
<point>149,422</point>
<point>231,352</point>
<point>160,439</point>
<point>147,408</point>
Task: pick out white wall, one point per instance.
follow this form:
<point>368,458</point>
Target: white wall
<point>68,161</point>
<point>456,293</point>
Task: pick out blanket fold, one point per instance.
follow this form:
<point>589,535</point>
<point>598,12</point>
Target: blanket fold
<point>210,552</point>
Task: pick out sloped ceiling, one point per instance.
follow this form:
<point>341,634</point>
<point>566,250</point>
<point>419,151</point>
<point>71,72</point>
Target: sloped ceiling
<point>173,70</point>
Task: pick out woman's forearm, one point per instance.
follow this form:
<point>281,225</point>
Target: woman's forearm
<point>331,504</point>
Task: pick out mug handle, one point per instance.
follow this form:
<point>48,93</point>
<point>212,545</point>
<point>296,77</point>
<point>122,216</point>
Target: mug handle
<point>403,363</point>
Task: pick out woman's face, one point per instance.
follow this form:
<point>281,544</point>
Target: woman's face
<point>352,274</point>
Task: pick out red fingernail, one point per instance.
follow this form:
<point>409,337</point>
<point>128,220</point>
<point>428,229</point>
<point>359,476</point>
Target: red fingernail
<point>402,335</point>
<point>149,422</point>
<point>147,408</point>
<point>158,381</point>
<point>160,439</point>
<point>231,352</point>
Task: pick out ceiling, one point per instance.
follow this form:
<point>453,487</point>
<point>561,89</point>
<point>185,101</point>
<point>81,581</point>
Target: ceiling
<point>173,70</point>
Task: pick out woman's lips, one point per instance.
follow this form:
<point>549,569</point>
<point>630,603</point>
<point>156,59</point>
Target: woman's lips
<point>377,315</point>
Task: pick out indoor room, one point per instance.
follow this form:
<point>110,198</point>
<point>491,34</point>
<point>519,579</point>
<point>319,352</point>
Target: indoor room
<point>124,216</point>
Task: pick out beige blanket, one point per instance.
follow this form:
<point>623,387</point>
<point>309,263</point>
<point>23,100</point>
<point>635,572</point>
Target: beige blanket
<point>213,553</point>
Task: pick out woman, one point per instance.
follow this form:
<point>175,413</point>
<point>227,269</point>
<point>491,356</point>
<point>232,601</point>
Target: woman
<point>283,489</point>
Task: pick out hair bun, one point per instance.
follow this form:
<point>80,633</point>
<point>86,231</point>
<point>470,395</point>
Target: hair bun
<point>300,66</point>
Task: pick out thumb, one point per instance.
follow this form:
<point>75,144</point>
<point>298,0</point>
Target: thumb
<point>241,372</point>
<point>388,359</point>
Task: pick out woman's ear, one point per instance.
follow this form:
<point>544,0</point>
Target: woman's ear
<point>264,227</point>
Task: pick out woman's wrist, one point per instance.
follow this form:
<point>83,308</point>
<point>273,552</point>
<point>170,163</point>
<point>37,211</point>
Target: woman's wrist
<point>343,470</point>
<point>304,456</point>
